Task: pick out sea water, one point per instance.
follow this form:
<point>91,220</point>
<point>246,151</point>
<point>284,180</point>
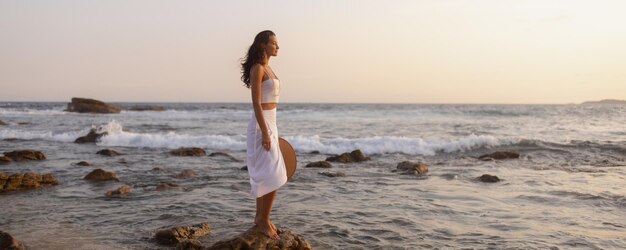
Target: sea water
<point>566,191</point>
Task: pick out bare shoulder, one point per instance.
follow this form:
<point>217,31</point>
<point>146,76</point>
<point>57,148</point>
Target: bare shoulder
<point>257,68</point>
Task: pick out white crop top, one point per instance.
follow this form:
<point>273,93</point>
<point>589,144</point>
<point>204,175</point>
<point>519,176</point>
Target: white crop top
<point>270,90</point>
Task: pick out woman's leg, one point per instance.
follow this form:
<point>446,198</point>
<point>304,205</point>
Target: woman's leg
<point>262,218</point>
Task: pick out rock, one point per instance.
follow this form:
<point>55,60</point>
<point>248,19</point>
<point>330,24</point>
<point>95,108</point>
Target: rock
<point>415,168</point>
<point>83,163</point>
<point>354,156</point>
<point>23,123</point>
<point>146,108</point>
<point>2,124</point>
<point>224,155</point>
<point>25,155</point>
<point>254,239</point>
<point>11,139</point>
<point>157,169</point>
<point>101,175</point>
<point>120,191</point>
<point>108,152</point>
<point>164,186</point>
<point>244,167</point>
<point>85,105</point>
<point>314,152</point>
<point>331,174</point>
<point>25,181</point>
<point>499,155</point>
<point>188,152</point>
<point>489,178</point>
<point>8,242</point>
<point>5,160</point>
<point>187,173</point>
<point>319,164</point>
<point>178,234</point>
<point>91,137</point>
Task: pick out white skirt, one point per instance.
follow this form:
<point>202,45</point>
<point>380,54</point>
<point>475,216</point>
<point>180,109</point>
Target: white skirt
<point>266,168</point>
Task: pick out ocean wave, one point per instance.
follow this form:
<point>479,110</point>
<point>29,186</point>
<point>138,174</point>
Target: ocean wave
<point>117,136</point>
<point>29,111</point>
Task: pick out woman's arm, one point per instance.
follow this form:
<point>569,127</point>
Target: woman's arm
<point>256,75</point>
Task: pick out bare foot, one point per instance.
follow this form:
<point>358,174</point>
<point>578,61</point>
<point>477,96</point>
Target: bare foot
<point>267,229</point>
<point>257,222</point>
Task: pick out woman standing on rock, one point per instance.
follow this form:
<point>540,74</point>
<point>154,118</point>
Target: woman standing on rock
<point>265,161</point>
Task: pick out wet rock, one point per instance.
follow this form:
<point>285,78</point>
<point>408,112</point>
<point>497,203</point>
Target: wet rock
<point>85,105</point>
<point>23,123</point>
<point>108,152</point>
<point>157,169</point>
<point>244,168</point>
<point>254,239</point>
<point>188,152</point>
<point>415,168</point>
<point>83,163</point>
<point>488,178</point>
<point>101,175</point>
<point>164,186</point>
<point>5,160</point>
<point>333,174</point>
<point>11,139</point>
<point>91,137</point>
<point>25,155</point>
<point>8,242</point>
<point>145,108</point>
<point>25,181</point>
<point>3,123</point>
<point>120,191</point>
<point>499,155</point>
<point>187,173</point>
<point>319,164</point>
<point>314,152</point>
<point>354,156</point>
<point>174,235</point>
<point>215,154</point>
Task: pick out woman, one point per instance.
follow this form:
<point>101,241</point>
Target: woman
<point>265,161</point>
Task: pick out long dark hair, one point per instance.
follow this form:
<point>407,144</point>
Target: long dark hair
<point>255,55</point>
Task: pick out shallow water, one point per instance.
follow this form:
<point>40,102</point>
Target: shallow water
<point>565,192</point>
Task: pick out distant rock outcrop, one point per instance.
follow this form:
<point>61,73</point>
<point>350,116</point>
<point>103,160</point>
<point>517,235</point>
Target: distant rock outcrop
<point>85,105</point>
<point>8,242</point>
<point>101,175</point>
<point>91,137</point>
<point>499,155</point>
<point>606,101</point>
<point>25,181</point>
<point>255,239</point>
<point>25,155</point>
<point>188,152</point>
<point>354,156</point>
<point>174,235</point>
<point>2,123</point>
<point>5,160</point>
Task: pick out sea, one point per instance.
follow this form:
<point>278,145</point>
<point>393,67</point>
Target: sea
<point>567,190</point>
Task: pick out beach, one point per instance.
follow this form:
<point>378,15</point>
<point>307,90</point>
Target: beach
<point>565,190</point>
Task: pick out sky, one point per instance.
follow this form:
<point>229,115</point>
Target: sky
<point>331,51</point>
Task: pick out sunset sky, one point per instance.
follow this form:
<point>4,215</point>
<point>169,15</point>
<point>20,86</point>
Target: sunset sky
<point>359,51</point>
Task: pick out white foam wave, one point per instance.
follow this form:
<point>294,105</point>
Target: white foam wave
<point>394,144</point>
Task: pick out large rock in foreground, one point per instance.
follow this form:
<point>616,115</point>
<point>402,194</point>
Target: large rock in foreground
<point>354,156</point>
<point>254,239</point>
<point>8,242</point>
<point>91,137</point>
<point>499,155</point>
<point>101,175</point>
<point>25,181</point>
<point>85,105</point>
<point>188,152</point>
<point>171,236</point>
<point>25,155</point>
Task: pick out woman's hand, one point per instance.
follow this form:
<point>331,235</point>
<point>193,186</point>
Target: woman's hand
<point>267,143</point>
